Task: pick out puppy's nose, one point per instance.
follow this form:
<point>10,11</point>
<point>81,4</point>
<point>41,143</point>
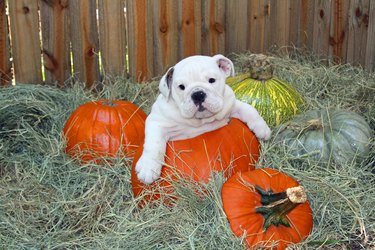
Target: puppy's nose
<point>198,97</point>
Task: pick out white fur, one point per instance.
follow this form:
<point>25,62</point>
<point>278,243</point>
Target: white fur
<point>175,116</point>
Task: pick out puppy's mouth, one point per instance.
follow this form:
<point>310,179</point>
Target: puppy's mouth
<point>201,108</point>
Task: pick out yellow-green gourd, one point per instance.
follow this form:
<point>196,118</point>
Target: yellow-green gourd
<point>276,100</point>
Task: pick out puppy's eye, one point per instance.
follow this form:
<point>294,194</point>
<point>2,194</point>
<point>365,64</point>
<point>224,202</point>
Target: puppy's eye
<point>211,80</point>
<point>181,86</point>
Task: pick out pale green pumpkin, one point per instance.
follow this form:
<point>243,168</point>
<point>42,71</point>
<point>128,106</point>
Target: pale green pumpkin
<point>276,100</point>
<point>326,136</point>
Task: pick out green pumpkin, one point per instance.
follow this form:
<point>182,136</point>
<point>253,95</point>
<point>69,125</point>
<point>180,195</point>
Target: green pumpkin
<point>276,100</point>
<point>326,135</point>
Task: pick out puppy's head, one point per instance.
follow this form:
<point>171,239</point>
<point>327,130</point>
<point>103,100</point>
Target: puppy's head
<point>197,85</point>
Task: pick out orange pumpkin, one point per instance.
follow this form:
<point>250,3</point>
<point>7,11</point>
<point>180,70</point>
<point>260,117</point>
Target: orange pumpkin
<point>101,128</point>
<point>228,149</point>
<point>268,208</point>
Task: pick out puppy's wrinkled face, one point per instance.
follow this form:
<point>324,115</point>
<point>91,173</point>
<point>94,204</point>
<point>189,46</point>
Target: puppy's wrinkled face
<point>197,84</point>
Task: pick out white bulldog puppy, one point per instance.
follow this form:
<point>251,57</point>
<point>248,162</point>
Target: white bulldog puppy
<point>194,99</point>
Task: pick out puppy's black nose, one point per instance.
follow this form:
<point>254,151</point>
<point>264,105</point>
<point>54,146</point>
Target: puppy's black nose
<point>198,97</point>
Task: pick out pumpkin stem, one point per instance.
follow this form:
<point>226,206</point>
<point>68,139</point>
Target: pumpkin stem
<point>260,67</point>
<point>109,103</point>
<point>276,206</point>
<point>312,124</point>
<point>316,123</point>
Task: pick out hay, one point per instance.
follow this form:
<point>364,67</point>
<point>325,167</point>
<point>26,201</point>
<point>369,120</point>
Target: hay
<point>47,200</point>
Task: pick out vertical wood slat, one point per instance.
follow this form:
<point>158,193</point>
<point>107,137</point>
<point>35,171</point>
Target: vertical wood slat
<point>279,13</point>
<point>56,42</point>
<point>294,22</point>
<point>140,42</point>
<point>322,19</point>
<point>338,32</point>
<point>370,46</point>
<point>236,26</point>
<point>5,64</point>
<point>24,27</point>
<point>84,37</point>
<point>357,32</point>
<point>306,26</point>
<point>259,25</point>
<point>112,36</point>
<point>190,28</point>
<point>165,31</point>
<point>213,27</point>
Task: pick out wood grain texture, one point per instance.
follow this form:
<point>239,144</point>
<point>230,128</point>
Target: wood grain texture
<point>307,11</point>
<point>370,45</point>
<point>322,20</point>
<point>24,27</point>
<point>140,39</point>
<point>213,27</point>
<point>280,17</point>
<point>358,32</point>
<point>256,23</point>
<point>190,25</point>
<point>236,26</point>
<point>85,42</point>
<point>338,31</point>
<point>56,41</point>
<point>165,31</point>
<point>112,36</point>
<point>294,22</point>
<point>143,38</point>
<point>5,64</point>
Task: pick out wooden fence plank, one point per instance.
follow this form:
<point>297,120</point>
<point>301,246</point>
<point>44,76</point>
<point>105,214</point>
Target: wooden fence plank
<point>306,28</point>
<point>140,39</point>
<point>338,38</point>
<point>322,19</point>
<point>112,36</point>
<point>5,64</point>
<point>84,37</point>
<point>190,27</point>
<point>213,27</point>
<point>279,16</point>
<point>294,22</point>
<point>257,14</point>
<point>165,32</point>
<point>370,46</point>
<point>259,38</point>
<point>56,41</point>
<point>357,32</point>
<point>24,27</point>
<point>236,26</point>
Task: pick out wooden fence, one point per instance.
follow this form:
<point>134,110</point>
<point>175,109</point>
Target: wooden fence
<point>52,41</point>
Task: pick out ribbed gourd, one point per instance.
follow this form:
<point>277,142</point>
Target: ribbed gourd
<point>276,100</point>
<point>267,208</point>
<point>326,135</point>
<point>101,128</point>
<point>229,149</point>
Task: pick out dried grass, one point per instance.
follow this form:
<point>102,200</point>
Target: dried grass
<point>49,201</point>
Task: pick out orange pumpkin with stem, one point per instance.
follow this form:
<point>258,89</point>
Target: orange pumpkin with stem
<point>228,149</point>
<point>101,128</point>
<point>268,208</point>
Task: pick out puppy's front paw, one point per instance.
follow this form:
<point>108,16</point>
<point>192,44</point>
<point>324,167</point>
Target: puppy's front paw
<point>261,130</point>
<point>147,169</point>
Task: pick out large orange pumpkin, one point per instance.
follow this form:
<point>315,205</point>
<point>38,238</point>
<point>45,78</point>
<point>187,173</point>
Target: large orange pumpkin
<point>101,128</point>
<point>268,208</point>
<point>228,149</point>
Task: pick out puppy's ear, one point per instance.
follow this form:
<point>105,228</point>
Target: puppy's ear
<point>165,85</point>
<point>225,65</point>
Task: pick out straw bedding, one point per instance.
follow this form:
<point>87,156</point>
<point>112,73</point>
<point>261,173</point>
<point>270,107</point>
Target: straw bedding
<point>48,200</point>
